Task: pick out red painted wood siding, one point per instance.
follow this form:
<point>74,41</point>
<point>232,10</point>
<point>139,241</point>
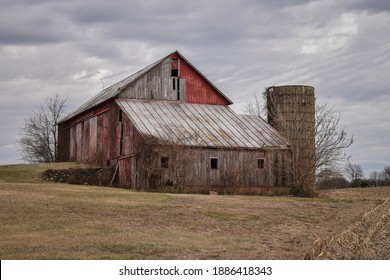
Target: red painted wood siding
<point>198,89</point>
<point>125,174</point>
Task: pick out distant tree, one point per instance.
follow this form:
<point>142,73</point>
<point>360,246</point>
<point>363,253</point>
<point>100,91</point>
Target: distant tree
<point>375,178</point>
<point>329,179</point>
<point>385,176</point>
<point>354,173</point>
<point>39,136</point>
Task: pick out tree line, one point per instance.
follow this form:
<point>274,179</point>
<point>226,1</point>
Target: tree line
<point>353,177</point>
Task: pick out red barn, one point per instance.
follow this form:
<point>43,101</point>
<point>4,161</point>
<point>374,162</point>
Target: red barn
<point>168,127</point>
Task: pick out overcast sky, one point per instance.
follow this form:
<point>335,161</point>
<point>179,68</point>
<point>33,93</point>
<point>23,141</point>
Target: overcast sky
<point>74,47</point>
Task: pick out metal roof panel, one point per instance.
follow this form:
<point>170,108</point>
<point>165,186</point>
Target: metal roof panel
<point>201,124</point>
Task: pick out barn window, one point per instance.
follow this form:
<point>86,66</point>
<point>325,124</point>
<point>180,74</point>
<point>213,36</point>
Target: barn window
<point>260,163</point>
<point>164,162</point>
<point>213,163</point>
<point>175,67</point>
<point>174,72</point>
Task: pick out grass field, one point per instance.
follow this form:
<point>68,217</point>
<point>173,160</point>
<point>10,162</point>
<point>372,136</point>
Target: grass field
<point>42,220</point>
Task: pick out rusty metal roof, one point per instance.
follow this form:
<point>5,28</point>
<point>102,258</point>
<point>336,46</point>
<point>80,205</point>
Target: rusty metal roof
<point>200,124</point>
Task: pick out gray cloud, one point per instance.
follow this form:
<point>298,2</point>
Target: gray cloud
<point>68,47</point>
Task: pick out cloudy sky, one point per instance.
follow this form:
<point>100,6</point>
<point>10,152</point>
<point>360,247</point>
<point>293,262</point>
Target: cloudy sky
<point>75,47</point>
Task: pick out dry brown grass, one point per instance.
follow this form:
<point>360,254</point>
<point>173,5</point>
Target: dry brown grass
<point>42,220</point>
<point>367,238</point>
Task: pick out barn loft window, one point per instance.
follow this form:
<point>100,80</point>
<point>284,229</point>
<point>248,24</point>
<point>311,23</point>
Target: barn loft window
<point>164,162</point>
<point>214,163</point>
<point>260,163</point>
<point>175,67</point>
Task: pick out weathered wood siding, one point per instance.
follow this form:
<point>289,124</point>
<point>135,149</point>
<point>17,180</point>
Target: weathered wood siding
<point>126,161</point>
<point>236,168</point>
<point>198,89</point>
<point>63,143</point>
<point>157,84</point>
<point>91,137</point>
<point>126,174</point>
<point>103,138</point>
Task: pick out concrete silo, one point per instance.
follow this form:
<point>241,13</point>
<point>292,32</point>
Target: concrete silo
<point>291,110</point>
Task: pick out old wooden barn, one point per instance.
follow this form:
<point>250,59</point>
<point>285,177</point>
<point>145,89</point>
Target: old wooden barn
<point>167,127</point>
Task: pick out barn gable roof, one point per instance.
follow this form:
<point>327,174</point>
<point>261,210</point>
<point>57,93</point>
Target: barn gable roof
<point>114,90</point>
<point>200,125</point>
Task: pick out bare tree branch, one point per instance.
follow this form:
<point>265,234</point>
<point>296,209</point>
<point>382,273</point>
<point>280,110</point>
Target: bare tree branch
<point>39,136</point>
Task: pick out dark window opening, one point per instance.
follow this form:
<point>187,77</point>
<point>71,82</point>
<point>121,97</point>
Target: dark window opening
<point>120,115</point>
<point>175,67</point>
<point>164,162</point>
<point>175,72</point>
<point>260,163</point>
<point>173,84</point>
<point>178,89</point>
<point>214,163</point>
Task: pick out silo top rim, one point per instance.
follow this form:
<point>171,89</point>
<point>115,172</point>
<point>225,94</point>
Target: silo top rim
<point>283,86</point>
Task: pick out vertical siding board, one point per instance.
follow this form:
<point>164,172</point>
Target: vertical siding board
<point>103,139</point>
<point>63,148</point>
<point>124,170</point>
<point>73,145</point>
<point>79,142</point>
<point>85,147</point>
<point>92,139</point>
<point>100,158</point>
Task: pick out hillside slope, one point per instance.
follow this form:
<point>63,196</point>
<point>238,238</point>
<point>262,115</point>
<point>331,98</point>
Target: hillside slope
<point>43,220</point>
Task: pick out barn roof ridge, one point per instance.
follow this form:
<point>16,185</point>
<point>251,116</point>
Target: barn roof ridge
<point>115,89</point>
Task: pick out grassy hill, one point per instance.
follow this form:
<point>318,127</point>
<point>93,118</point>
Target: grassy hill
<point>43,220</point>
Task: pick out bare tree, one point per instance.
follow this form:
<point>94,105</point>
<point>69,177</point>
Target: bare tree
<point>375,178</point>
<point>330,140</point>
<point>355,174</point>
<point>256,107</point>
<point>385,176</point>
<point>39,136</point>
